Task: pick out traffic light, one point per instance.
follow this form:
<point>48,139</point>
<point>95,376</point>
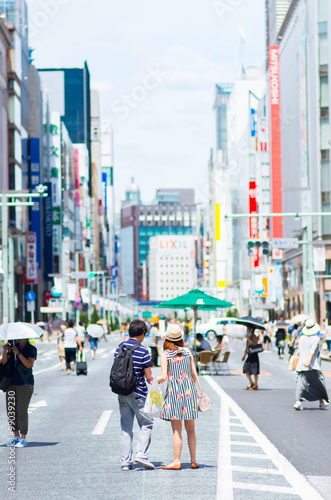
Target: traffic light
<point>91,275</point>
<point>250,246</point>
<point>264,245</point>
<point>265,248</point>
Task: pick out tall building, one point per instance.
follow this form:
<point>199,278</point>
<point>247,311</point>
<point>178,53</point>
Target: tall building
<point>173,212</point>
<point>304,96</point>
<point>70,95</point>
<point>171,266</point>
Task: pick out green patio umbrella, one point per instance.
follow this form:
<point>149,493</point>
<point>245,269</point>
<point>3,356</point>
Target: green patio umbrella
<point>147,314</point>
<point>195,299</point>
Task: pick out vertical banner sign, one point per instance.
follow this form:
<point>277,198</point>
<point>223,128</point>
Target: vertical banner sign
<point>276,164</point>
<point>253,226</point>
<point>31,275</point>
<point>48,233</point>
<point>34,182</point>
<point>77,179</point>
<point>253,123</point>
<point>104,190</point>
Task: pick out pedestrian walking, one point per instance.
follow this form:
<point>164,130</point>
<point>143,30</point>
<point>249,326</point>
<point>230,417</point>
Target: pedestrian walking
<point>280,337</point>
<point>267,336</point>
<point>93,345</point>
<point>60,351</point>
<point>327,337</point>
<point>180,402</point>
<point>294,342</point>
<point>132,405</point>
<point>81,332</point>
<point>252,363</point>
<point>310,379</point>
<point>152,340</point>
<point>20,391</point>
<point>71,339</point>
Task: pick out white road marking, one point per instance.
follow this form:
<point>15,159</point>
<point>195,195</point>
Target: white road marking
<point>299,484</point>
<point>103,421</point>
<point>224,474</point>
<point>257,470</point>
<point>39,404</point>
<point>48,369</point>
<point>247,455</point>
<point>272,489</point>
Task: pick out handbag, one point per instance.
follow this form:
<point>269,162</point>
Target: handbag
<point>6,374</point>
<point>255,349</point>
<point>204,403</point>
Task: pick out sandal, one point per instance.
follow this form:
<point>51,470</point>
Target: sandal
<point>249,386</point>
<point>195,465</point>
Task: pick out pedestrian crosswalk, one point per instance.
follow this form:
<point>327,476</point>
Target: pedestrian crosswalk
<point>249,462</point>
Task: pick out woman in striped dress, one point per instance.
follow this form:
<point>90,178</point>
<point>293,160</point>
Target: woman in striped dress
<point>180,402</point>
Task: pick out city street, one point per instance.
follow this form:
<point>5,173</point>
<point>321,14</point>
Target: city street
<point>250,445</point>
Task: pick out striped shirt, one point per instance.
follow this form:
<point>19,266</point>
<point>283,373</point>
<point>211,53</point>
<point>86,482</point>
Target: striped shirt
<point>141,360</point>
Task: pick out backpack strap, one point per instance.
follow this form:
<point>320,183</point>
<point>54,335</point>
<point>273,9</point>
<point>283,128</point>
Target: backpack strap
<point>134,347</point>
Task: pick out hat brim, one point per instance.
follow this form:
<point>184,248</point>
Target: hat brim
<point>311,331</point>
<point>174,339</point>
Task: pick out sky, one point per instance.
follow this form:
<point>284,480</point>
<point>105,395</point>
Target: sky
<point>155,65</point>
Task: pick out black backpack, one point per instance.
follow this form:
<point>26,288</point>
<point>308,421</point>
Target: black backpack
<point>122,378</point>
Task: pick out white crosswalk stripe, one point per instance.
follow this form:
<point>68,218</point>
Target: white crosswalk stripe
<point>280,478</point>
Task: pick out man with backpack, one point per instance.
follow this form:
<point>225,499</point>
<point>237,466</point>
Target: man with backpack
<point>132,364</point>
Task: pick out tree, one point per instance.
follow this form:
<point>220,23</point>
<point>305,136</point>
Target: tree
<point>83,317</point>
<point>232,313</point>
<point>95,317</point>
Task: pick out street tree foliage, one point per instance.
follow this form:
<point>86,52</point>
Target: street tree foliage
<point>232,313</point>
<point>83,317</point>
<point>95,317</point>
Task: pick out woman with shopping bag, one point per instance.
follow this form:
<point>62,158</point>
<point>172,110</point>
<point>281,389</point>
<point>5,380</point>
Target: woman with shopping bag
<point>180,402</point>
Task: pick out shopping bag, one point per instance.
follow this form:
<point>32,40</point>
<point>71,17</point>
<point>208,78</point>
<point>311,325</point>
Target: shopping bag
<point>154,401</point>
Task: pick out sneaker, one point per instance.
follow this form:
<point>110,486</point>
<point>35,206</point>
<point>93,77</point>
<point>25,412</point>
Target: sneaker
<point>298,406</point>
<point>324,404</point>
<point>22,443</point>
<point>145,463</point>
<point>13,442</point>
<point>127,467</point>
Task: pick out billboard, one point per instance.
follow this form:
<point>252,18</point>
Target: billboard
<point>276,164</point>
<point>253,224</point>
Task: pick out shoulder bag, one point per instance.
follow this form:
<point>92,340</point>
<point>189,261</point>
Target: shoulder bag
<point>255,349</point>
<point>6,374</point>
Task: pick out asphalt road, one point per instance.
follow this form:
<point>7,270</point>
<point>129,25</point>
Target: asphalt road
<point>67,458</point>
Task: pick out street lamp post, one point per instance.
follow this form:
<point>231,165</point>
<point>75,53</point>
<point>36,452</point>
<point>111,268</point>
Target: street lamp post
<point>14,196</point>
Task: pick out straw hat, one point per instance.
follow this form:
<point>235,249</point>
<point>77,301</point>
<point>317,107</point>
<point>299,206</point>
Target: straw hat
<point>173,333</point>
<point>310,328</point>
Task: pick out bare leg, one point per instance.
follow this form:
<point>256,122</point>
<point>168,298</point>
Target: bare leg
<point>191,439</point>
<point>249,378</point>
<point>256,378</point>
<point>177,441</point>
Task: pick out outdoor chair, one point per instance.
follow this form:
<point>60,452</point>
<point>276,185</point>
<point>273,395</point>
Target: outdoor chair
<point>221,364</point>
<point>205,360</point>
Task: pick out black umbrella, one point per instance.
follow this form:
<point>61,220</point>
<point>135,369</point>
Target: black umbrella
<point>249,321</point>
